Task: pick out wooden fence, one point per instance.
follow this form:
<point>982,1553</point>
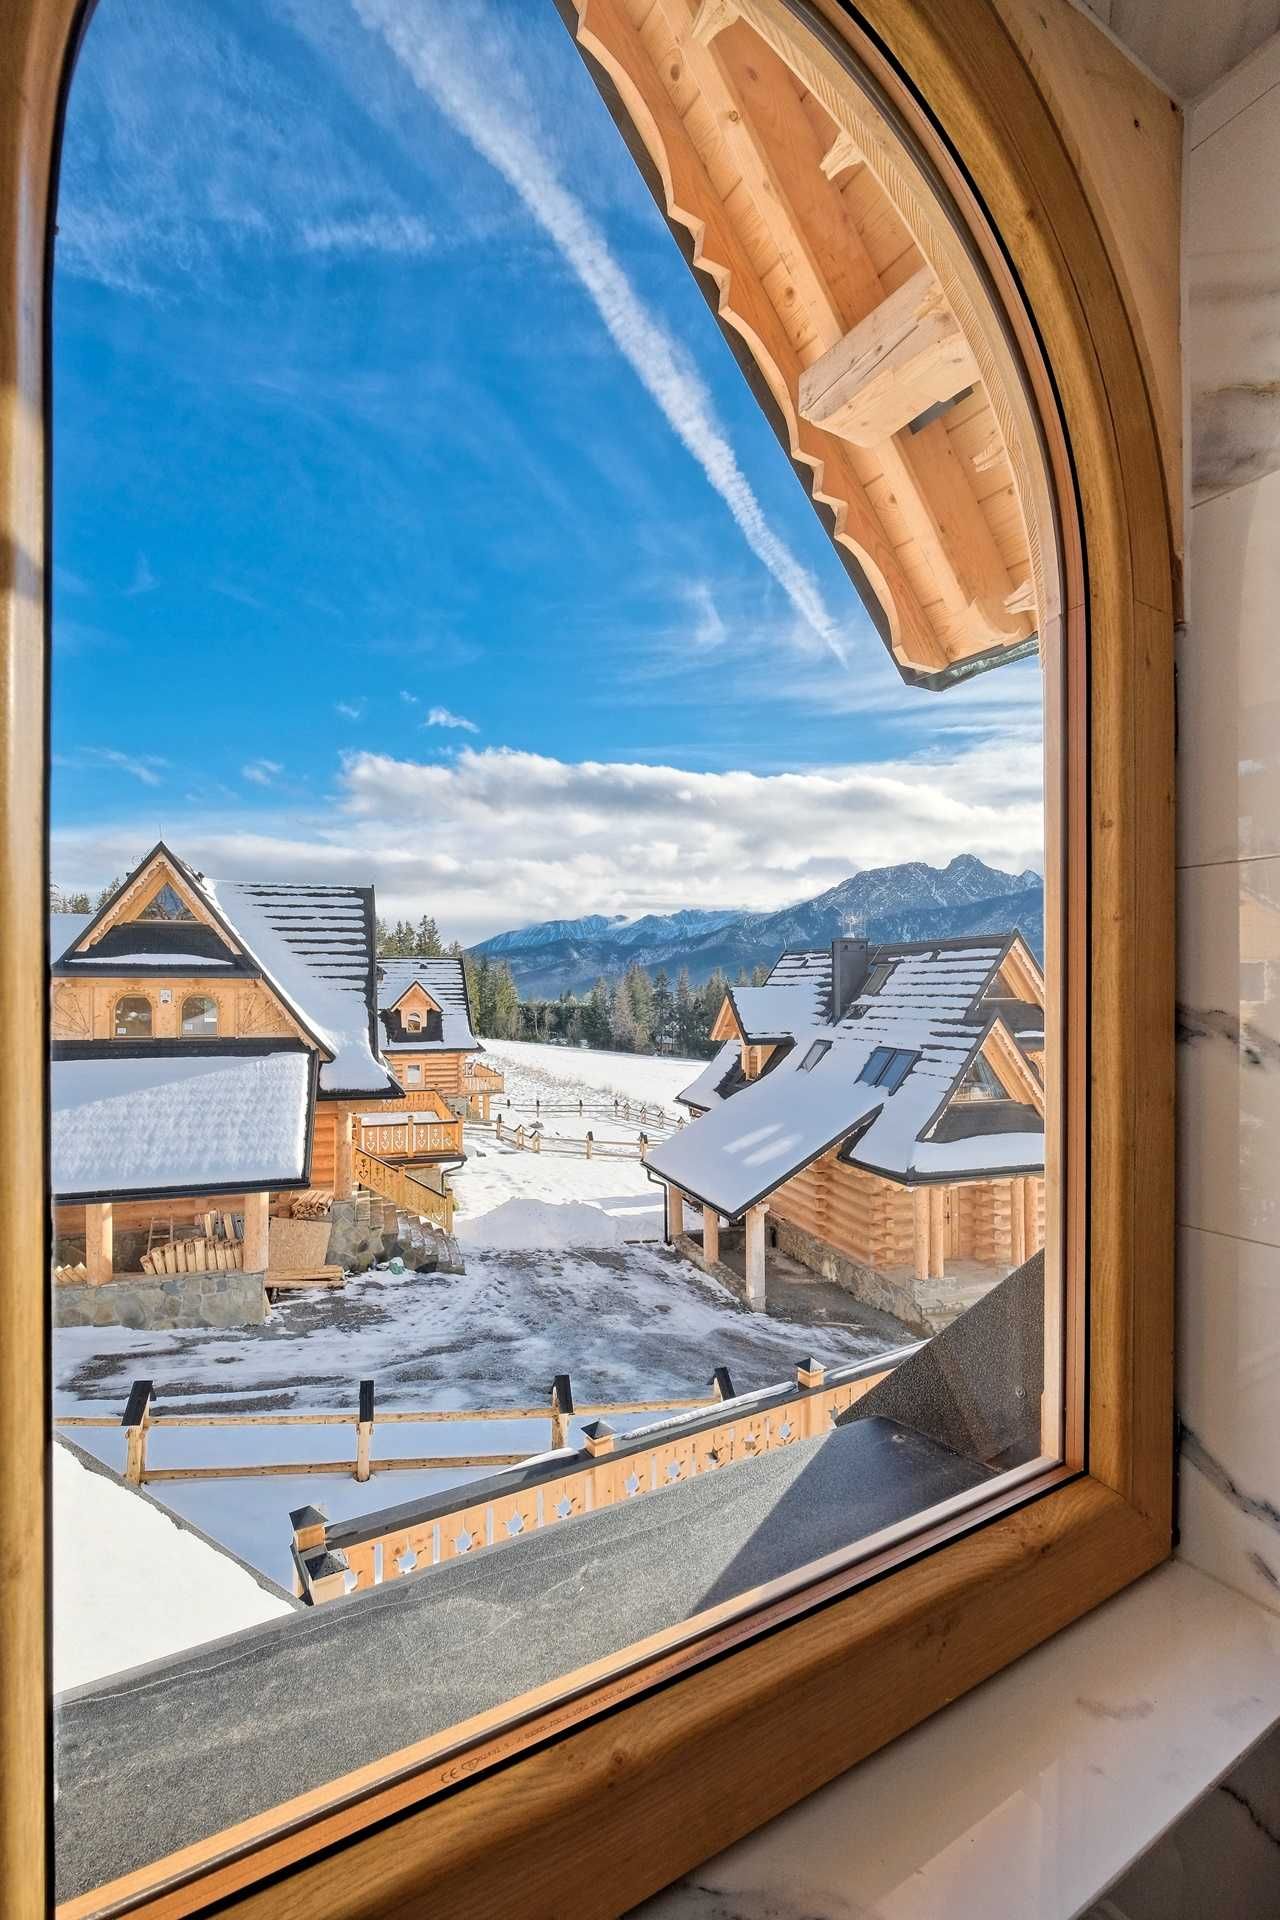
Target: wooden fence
<point>534,1140</point>
<point>607,1469</point>
<point>616,1109</point>
<point>399,1185</point>
<point>140,1419</point>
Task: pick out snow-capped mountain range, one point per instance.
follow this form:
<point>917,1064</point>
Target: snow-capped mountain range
<point>911,902</point>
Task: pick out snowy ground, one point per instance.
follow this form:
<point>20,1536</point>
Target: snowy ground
<point>497,1173</point>
<point>625,1323</point>
<point>550,1287</point>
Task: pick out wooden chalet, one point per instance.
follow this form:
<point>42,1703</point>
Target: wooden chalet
<point>856,310</point>
<point>215,1039</point>
<point>884,1107</point>
<point>425,1019</point>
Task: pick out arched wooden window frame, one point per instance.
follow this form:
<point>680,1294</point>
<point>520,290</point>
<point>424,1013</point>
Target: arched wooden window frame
<point>141,999</point>
<point>651,1784</point>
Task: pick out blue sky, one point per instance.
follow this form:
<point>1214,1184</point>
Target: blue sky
<point>413,521</point>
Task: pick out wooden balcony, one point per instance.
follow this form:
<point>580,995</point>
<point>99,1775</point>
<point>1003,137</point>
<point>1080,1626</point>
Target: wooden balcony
<point>427,1130</point>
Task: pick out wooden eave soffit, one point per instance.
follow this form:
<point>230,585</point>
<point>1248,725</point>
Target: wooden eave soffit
<point>750,160</point>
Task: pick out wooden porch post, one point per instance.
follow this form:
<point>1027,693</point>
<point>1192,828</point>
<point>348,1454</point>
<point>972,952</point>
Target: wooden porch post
<point>755,1258</point>
<point>99,1242</point>
<point>255,1232</point>
<point>343,1182</point>
<point>675,1212</point>
<point>710,1234</point>
<point>1035,1237</point>
<point>937,1232</point>
<point>920,1222</point>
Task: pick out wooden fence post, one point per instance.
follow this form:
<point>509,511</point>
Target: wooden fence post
<point>561,1410</point>
<point>590,1138</point>
<point>364,1430</point>
<point>722,1385</point>
<point>135,1421</point>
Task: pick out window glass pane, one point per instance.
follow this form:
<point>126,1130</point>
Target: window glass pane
<point>199,1016</point>
<point>617,948</point>
<point>132,1018</point>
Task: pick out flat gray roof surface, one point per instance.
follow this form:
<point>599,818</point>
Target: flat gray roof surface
<point>173,1752</point>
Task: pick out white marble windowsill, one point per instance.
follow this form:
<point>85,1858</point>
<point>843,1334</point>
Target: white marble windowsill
<point>1032,1794</point>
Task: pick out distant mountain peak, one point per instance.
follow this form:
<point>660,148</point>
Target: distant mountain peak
<point>908,901</point>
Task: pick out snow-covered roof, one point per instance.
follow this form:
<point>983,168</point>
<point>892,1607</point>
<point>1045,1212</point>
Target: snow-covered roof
<point>150,1118</point>
<point>444,979</point>
<point>133,1582</point>
<point>785,1004</point>
<point>64,929</point>
<point>705,1090</point>
<point>315,947</point>
<point>923,1022</point>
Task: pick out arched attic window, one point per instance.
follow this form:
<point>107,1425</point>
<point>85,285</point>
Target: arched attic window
<point>132,1019</point>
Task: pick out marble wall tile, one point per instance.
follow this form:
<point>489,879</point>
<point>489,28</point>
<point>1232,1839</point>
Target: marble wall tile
<point>1229,1049</point>
<point>1233,280</point>
<point>1229,1407</point>
<point>1229,680</point>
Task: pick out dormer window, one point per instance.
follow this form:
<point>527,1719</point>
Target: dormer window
<point>132,1018</point>
<point>413,1023</point>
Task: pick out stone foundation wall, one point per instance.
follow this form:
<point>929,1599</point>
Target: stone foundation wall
<point>887,1292</point>
<point>152,1303</point>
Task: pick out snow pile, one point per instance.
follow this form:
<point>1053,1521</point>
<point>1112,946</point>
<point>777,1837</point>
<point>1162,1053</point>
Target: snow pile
<point>131,1583</point>
<point>542,1224</point>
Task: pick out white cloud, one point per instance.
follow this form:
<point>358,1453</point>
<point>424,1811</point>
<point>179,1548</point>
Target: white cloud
<point>390,233</point>
<point>497,838</point>
<point>144,581</point>
<point>440,54</point>
<point>410,699</point>
<point>261,772</point>
<point>350,709</point>
<point>442,717</point>
<point>149,768</point>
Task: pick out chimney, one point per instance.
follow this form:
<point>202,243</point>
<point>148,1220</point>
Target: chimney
<point>850,964</point>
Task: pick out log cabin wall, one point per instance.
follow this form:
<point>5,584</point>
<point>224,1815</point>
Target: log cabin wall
<point>247,1009</point>
<point>872,1221</point>
<point>442,1071</point>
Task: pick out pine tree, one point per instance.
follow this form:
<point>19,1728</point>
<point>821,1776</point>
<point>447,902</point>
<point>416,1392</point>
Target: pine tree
<point>664,1008</point>
<point>79,903</point>
<point>427,943</point>
<point>381,934</point>
<point>597,1026</point>
<point>759,975</point>
<point>640,994</point>
<point>686,1016</point>
<point>112,886</point>
<point>506,1004</point>
<point>483,1005</point>
<point>624,1032</point>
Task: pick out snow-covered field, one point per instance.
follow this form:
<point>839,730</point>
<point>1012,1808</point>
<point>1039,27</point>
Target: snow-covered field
<point>571,1071</point>
<point>497,1174</point>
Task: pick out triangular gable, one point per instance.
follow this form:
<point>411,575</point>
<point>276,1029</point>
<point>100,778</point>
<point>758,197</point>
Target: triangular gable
<point>161,868</point>
<point>1001,1052</point>
<point>158,871</point>
<point>415,999</point>
<point>727,1026</point>
<point>1018,974</point>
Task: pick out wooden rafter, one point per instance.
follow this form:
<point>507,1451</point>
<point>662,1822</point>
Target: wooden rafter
<point>751,163</point>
